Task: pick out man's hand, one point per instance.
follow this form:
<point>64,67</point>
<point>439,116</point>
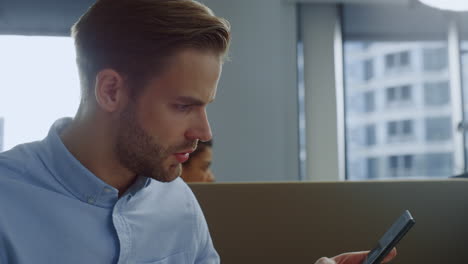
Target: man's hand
<point>353,258</point>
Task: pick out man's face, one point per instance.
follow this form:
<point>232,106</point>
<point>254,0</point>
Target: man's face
<point>162,126</point>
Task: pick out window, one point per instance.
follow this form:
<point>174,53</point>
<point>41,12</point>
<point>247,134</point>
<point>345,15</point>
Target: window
<point>370,135</point>
<point>399,105</point>
<point>372,168</point>
<point>436,93</point>
<point>405,93</point>
<point>408,162</point>
<point>399,130</point>
<point>368,69</point>
<point>407,129</point>
<point>369,102</point>
<point>397,60</point>
<point>393,162</point>
<point>404,59</point>
<point>392,128</point>
<point>398,95</point>
<point>435,59</point>
<point>438,129</point>
<point>43,68</point>
<point>391,94</point>
<point>390,61</point>
<point>400,165</point>
<point>414,101</point>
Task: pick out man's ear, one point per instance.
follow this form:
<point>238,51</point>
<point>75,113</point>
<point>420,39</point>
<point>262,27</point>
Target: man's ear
<point>110,90</point>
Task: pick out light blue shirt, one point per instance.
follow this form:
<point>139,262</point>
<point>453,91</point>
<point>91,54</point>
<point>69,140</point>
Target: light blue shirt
<point>54,210</point>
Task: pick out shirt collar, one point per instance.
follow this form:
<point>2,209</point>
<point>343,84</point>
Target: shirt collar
<point>76,178</point>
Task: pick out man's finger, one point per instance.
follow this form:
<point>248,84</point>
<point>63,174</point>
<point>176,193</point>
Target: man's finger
<point>325,260</point>
<point>359,257</point>
<point>353,257</point>
<point>390,256</point>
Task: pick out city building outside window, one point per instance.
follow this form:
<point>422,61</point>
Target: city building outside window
<point>404,111</point>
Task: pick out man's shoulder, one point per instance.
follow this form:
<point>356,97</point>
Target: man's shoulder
<point>19,162</point>
<point>16,160</point>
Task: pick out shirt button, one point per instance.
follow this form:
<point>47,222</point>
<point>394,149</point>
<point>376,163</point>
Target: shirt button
<point>91,200</point>
<point>107,190</point>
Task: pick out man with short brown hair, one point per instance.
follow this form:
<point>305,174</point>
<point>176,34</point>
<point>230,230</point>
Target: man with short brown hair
<point>103,187</point>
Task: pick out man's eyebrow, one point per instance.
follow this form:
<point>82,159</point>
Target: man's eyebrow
<point>191,100</point>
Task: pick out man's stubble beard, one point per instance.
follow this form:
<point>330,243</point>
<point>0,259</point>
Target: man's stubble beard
<point>141,153</point>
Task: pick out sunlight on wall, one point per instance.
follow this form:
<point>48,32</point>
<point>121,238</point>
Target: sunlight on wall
<point>38,84</point>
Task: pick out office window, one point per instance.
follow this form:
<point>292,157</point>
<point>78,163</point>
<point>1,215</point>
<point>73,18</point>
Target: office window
<point>407,127</point>
<point>401,130</point>
<point>436,93</point>
<point>404,59</point>
<point>372,168</point>
<point>396,96</point>
<point>408,162</point>
<point>371,139</point>
<point>393,162</point>
<point>369,102</point>
<point>390,61</point>
<point>392,128</point>
<point>438,128</point>
<point>391,94</point>
<point>397,60</point>
<point>368,69</point>
<point>405,92</point>
<point>435,59</point>
<point>400,165</point>
<point>41,74</point>
<point>398,102</point>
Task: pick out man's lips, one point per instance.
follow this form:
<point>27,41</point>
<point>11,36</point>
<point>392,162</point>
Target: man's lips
<point>183,156</point>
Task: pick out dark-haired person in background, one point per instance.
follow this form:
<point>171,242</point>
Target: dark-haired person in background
<point>197,167</point>
<point>104,187</point>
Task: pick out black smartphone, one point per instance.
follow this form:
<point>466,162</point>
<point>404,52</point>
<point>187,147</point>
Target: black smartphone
<point>389,240</point>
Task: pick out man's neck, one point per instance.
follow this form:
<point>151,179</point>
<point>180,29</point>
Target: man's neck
<point>92,143</point>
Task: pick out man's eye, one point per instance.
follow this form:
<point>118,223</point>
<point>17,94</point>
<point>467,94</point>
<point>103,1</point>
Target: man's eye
<point>182,107</point>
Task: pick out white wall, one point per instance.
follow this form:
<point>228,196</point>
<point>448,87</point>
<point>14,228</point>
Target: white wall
<point>254,117</point>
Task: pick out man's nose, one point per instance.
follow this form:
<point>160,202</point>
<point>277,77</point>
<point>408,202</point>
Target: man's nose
<point>200,129</point>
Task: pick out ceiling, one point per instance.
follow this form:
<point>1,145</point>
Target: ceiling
<point>40,17</point>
